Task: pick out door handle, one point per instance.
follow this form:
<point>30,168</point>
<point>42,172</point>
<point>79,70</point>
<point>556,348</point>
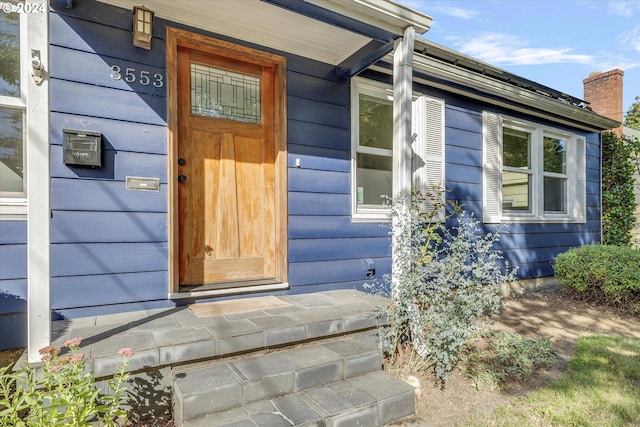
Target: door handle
<point>182,178</point>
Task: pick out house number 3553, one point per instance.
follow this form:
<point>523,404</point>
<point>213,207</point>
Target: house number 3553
<point>131,75</point>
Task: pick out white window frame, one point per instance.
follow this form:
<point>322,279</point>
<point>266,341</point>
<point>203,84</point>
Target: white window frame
<point>575,173</point>
<point>427,144</point>
<point>13,205</point>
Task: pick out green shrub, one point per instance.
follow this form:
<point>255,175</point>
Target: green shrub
<point>496,358</point>
<point>446,279</point>
<point>602,274</point>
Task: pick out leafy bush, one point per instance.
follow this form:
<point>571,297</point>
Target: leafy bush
<point>602,274</point>
<point>63,393</point>
<point>619,162</point>
<point>445,279</point>
<point>496,358</point>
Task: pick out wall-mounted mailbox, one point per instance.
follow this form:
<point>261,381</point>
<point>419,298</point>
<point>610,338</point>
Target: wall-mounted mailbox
<point>82,148</point>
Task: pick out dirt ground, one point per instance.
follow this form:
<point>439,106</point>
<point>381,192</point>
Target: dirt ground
<point>548,313</point>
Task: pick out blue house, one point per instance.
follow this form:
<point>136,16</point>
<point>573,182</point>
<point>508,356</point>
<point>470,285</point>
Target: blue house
<point>235,148</point>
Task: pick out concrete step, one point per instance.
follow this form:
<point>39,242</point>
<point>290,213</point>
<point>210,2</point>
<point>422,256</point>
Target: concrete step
<point>370,400</point>
<point>226,384</point>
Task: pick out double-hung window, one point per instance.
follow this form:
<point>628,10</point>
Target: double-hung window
<point>372,148</point>
<point>12,115</point>
<point>532,172</point>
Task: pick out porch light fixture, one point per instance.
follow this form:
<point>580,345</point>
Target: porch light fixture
<point>142,27</point>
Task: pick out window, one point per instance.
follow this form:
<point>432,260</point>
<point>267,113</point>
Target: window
<point>12,111</point>
<point>372,153</point>
<point>531,172</point>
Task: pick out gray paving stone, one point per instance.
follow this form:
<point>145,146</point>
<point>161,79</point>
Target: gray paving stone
<point>325,328</point>
<point>219,327</point>
<point>363,321</point>
<point>296,410</point>
<point>154,324</point>
<point>275,322</point>
<point>164,337</point>
<point>317,375</point>
<point>111,345</point>
<point>106,366</point>
<point>365,416</point>
<point>269,387</point>
<point>310,355</point>
<point>240,343</point>
<point>286,335</point>
<point>187,351</point>
<point>263,366</point>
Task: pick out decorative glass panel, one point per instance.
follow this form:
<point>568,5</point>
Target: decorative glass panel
<point>10,54</point>
<point>515,148</point>
<point>555,155</point>
<point>11,151</point>
<point>376,122</point>
<point>555,190</point>
<point>516,194</point>
<point>373,178</point>
<point>224,94</point>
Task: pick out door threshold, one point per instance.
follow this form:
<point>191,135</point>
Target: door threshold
<point>201,291</point>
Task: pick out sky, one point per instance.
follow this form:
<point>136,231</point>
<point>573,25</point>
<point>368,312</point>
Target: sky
<point>557,43</point>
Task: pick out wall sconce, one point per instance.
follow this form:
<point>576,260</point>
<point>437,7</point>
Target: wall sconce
<point>142,31</point>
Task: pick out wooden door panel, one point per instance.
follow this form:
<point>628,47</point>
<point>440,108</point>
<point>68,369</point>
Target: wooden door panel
<point>227,206</point>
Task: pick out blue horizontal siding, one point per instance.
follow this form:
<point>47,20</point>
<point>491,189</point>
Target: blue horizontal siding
<point>13,262</point>
<point>13,297</point>
<point>317,181</point>
<point>317,162</point>
<point>302,250</point>
<point>86,291</point>
<point>97,70</point>
<point>328,272</point>
<point>463,119</point>
<point>14,327</point>
<point>463,138</point>
<point>108,227</point>
<point>116,165</point>
<point>109,196</point>
<point>319,204</point>
<point>463,156</point>
<point>318,89</point>
<point>116,135</point>
<point>317,135</point>
<point>13,232</point>
<point>327,227</point>
<point>88,100</point>
<point>84,35</point>
<point>81,259</point>
<point>311,111</point>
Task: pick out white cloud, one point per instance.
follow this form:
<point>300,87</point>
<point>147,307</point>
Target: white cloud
<point>631,39</point>
<point>505,49</point>
<point>623,8</point>
<point>457,12</point>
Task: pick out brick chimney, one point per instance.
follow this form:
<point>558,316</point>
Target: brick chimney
<point>603,92</point>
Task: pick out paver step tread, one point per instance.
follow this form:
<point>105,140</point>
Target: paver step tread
<point>374,399</point>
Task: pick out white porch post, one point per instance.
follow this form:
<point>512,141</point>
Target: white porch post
<point>402,95</point>
<point>38,211</point>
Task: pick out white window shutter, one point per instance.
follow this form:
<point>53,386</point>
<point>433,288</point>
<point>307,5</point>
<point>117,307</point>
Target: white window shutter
<point>580,161</point>
<point>492,167</point>
<point>428,152</point>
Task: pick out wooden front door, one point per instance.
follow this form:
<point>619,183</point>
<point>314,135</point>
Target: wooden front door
<point>229,191</point>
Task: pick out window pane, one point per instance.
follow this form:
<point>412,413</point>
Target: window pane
<point>373,178</point>
<point>11,151</point>
<point>376,122</point>
<point>515,149</point>
<point>555,195</point>
<point>516,194</point>
<point>224,94</point>
<point>10,54</point>
<point>555,155</point>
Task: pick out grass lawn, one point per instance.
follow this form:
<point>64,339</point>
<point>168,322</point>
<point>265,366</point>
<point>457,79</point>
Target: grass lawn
<point>602,388</point>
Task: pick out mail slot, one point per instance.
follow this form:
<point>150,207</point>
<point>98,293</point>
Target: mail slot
<point>82,148</point>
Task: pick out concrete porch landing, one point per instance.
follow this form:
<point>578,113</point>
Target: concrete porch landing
<point>170,337</point>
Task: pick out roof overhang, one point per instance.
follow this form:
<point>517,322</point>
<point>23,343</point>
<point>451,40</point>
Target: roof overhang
<point>446,69</point>
<point>348,34</point>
